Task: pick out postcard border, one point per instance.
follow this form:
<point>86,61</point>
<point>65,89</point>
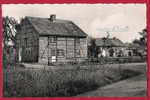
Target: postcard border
<point>81,2</point>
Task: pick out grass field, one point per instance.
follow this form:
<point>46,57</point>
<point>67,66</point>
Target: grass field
<point>24,82</point>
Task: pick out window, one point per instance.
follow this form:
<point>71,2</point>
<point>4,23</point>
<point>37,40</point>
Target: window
<point>78,41</point>
<point>78,52</point>
<point>28,51</point>
<point>70,47</point>
<point>25,42</point>
<point>53,52</point>
<point>52,39</point>
<point>60,53</point>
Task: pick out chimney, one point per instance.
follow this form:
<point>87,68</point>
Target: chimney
<point>114,38</point>
<point>52,17</point>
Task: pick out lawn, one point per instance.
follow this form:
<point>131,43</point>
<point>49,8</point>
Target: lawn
<point>61,82</point>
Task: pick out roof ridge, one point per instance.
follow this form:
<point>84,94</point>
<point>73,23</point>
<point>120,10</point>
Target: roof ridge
<point>57,19</point>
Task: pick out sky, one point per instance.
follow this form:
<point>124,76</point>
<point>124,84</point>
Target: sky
<point>123,21</point>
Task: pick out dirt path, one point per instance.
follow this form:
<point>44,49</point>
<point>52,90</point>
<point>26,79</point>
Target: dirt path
<point>131,87</point>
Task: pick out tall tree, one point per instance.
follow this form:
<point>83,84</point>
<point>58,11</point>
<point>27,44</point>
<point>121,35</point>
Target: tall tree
<point>9,30</point>
<point>143,39</point>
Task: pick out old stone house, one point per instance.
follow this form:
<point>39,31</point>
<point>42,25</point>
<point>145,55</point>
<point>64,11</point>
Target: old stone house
<point>49,40</point>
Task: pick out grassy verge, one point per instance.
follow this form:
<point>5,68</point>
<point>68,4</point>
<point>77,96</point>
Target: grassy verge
<point>60,83</point>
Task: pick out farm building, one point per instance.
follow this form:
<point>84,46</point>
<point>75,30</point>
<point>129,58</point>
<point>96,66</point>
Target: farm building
<point>109,47</point>
<point>50,40</point>
<point>136,49</point>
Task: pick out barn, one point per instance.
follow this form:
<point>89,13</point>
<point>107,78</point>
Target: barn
<point>50,40</point>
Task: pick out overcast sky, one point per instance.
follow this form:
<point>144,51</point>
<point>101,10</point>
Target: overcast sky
<point>123,21</point>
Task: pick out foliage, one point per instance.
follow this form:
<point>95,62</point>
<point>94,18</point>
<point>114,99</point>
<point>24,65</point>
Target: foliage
<point>93,49</point>
<point>143,39</point>
<point>9,41</point>
<point>9,29</point>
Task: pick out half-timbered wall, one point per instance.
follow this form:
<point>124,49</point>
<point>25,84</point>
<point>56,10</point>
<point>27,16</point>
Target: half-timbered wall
<point>65,49</point>
<point>83,47</point>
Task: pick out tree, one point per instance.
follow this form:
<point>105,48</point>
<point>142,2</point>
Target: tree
<point>9,30</point>
<point>143,39</point>
<point>93,49</point>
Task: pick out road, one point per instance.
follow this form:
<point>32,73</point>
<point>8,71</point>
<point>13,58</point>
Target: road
<point>132,87</point>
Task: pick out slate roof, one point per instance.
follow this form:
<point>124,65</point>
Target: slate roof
<point>56,28</point>
<point>113,42</point>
